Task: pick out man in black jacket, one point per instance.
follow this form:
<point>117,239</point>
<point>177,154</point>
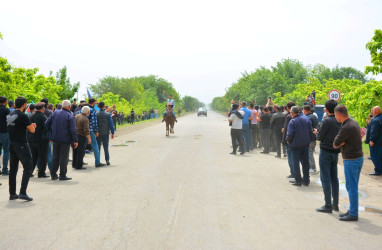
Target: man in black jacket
<point>312,163</point>
<point>328,158</point>
<point>39,140</point>
<point>374,139</point>
<point>277,123</point>
<point>285,130</point>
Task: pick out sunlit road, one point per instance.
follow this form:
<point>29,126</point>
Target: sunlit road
<point>181,192</point>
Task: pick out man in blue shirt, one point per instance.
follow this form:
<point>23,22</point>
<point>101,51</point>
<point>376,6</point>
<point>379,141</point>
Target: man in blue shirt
<point>245,129</point>
<point>94,132</point>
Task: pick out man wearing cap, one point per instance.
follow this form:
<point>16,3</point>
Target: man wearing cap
<point>39,140</point>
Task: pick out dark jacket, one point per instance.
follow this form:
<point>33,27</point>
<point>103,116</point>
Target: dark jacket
<point>63,126</point>
<point>350,133</point>
<point>314,121</point>
<point>41,132</point>
<point>277,121</point>
<point>286,123</point>
<point>374,131</point>
<point>299,132</point>
<point>327,132</point>
<point>105,122</point>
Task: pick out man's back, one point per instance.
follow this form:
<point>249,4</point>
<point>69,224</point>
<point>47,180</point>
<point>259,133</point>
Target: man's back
<point>4,112</point>
<point>299,132</point>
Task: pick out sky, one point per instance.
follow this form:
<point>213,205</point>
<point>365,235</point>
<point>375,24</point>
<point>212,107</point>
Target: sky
<point>200,46</point>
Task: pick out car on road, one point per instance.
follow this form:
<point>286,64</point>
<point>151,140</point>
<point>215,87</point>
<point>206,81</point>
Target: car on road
<point>202,111</point>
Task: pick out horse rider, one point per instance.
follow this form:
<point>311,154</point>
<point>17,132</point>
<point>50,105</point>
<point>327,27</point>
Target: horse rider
<point>171,104</point>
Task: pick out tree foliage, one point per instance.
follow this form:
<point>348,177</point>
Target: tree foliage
<point>191,103</point>
<point>28,83</point>
<point>68,90</point>
<point>375,48</point>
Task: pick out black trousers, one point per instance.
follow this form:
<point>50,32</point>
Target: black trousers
<point>265,135</point>
<point>40,153</point>
<point>19,152</point>
<point>236,137</point>
<point>79,152</point>
<point>60,158</point>
<point>278,138</point>
<point>255,132</point>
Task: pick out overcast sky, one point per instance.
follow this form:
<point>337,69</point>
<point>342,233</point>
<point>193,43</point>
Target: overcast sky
<point>201,46</point>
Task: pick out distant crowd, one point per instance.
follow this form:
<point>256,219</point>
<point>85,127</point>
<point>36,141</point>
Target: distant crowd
<point>294,131</point>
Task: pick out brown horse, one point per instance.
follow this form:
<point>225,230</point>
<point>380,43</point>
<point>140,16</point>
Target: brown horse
<point>169,119</point>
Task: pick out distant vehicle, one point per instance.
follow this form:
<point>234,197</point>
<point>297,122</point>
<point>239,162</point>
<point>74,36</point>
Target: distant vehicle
<point>202,111</point>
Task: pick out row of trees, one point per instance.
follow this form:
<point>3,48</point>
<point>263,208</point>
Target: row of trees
<point>140,93</point>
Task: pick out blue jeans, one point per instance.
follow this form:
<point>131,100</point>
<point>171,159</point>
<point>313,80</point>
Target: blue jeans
<point>329,176</point>
<point>246,137</point>
<point>301,155</point>
<point>290,160</point>
<point>352,171</point>
<point>95,148</point>
<point>104,140</point>
<point>4,144</point>
<point>376,157</point>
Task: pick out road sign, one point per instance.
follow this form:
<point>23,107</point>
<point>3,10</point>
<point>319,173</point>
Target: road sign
<point>335,95</point>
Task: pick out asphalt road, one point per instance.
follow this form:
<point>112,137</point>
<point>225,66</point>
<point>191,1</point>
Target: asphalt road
<point>181,192</point>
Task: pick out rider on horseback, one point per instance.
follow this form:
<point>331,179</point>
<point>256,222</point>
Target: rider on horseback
<point>171,103</point>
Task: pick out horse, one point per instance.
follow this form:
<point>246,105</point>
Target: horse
<point>169,119</point>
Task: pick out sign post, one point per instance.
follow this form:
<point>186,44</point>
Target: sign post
<point>335,95</point>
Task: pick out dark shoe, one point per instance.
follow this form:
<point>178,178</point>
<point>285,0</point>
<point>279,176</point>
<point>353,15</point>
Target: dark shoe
<point>293,181</point>
<point>64,178</point>
<point>5,173</point>
<point>13,197</point>
<point>242,152</point>
<point>32,175</point>
<point>108,163</point>
<point>277,156</point>
<point>80,168</point>
<point>290,176</point>
<point>233,153</point>
<point>176,120</point>
<point>336,208</point>
<point>305,183</point>
<point>345,214</point>
<point>264,152</point>
<point>84,164</point>
<point>375,174</point>
<point>324,209</point>
<point>43,176</point>
<point>25,197</point>
<point>163,120</point>
<point>100,165</point>
<point>54,177</point>
<point>297,184</point>
<point>349,218</point>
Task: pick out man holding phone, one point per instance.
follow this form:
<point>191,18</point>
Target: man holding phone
<point>18,124</point>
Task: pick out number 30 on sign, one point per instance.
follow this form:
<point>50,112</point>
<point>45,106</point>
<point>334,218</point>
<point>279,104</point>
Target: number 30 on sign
<point>335,95</point>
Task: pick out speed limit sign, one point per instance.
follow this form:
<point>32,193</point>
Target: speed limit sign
<point>335,95</point>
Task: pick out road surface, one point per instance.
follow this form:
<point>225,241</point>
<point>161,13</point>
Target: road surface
<point>181,192</point>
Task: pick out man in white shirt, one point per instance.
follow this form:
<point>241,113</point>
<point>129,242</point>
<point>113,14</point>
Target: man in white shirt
<point>236,117</point>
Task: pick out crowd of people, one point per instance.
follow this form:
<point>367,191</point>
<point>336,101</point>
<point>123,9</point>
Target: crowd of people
<point>294,130</point>
<point>42,137</point>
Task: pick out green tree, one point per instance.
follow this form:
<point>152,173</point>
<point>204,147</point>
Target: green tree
<point>191,103</point>
<point>360,100</point>
<point>375,48</point>
<point>28,83</point>
<point>68,90</point>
